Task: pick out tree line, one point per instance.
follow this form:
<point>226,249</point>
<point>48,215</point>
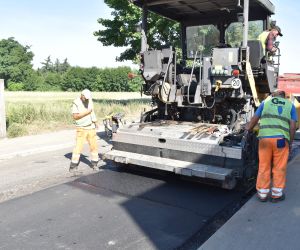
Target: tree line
<point>17,71</point>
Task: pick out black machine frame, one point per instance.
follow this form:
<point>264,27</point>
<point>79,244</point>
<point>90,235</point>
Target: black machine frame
<point>196,126</point>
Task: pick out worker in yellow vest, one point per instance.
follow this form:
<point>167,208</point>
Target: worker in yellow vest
<point>277,128</point>
<point>86,124</point>
<point>267,39</point>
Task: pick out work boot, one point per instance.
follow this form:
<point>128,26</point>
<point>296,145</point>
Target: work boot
<point>262,199</point>
<point>73,166</point>
<point>94,165</point>
<point>274,199</point>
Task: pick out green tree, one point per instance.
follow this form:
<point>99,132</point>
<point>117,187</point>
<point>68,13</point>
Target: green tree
<point>47,65</point>
<point>95,79</point>
<point>52,75</point>
<point>52,82</point>
<point>77,78</point>
<point>72,80</point>
<point>33,81</point>
<point>57,66</point>
<point>234,33</point>
<point>15,61</point>
<point>65,65</point>
<point>115,79</point>
<point>121,30</point>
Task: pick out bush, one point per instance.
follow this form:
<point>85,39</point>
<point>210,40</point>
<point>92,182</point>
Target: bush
<point>52,82</point>
<point>33,81</point>
<point>15,86</point>
<point>135,83</point>
<point>16,129</point>
<point>115,79</point>
<point>75,79</point>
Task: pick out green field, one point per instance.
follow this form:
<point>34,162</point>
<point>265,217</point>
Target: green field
<point>30,113</point>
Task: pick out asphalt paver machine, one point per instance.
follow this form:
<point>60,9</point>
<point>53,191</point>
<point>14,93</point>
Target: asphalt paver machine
<point>202,101</point>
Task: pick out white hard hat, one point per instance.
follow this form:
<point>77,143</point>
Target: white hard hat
<point>87,94</point>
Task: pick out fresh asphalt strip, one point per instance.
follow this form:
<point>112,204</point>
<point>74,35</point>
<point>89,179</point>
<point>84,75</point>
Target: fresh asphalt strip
<point>115,209</point>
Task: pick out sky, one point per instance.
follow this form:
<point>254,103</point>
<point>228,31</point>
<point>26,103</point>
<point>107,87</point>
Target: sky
<point>64,29</point>
<point>59,28</point>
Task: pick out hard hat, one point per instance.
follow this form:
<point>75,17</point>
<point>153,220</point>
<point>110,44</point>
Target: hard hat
<point>87,94</point>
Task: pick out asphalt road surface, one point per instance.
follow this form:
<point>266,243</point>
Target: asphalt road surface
<point>115,208</point>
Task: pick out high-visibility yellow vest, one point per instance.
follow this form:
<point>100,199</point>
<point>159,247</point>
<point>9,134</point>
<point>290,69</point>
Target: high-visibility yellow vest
<point>273,122</point>
<point>263,40</point>
<point>86,121</point>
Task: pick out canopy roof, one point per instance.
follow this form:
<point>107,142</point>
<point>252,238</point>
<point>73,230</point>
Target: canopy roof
<point>206,11</point>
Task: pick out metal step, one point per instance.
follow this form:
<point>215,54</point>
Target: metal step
<point>176,166</point>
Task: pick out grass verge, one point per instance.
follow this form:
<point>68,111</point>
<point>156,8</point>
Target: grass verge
<point>37,116</point>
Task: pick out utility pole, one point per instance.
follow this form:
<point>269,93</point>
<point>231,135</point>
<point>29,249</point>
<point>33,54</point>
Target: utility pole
<point>2,111</point>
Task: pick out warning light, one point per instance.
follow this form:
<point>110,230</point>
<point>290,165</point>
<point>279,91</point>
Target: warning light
<point>236,73</point>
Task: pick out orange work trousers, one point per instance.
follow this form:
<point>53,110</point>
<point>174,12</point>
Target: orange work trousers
<point>83,135</point>
<point>272,158</point>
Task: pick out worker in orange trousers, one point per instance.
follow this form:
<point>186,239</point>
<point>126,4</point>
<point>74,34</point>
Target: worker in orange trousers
<point>277,127</point>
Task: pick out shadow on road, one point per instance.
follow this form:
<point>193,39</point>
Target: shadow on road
<point>167,210</point>
<point>83,158</point>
